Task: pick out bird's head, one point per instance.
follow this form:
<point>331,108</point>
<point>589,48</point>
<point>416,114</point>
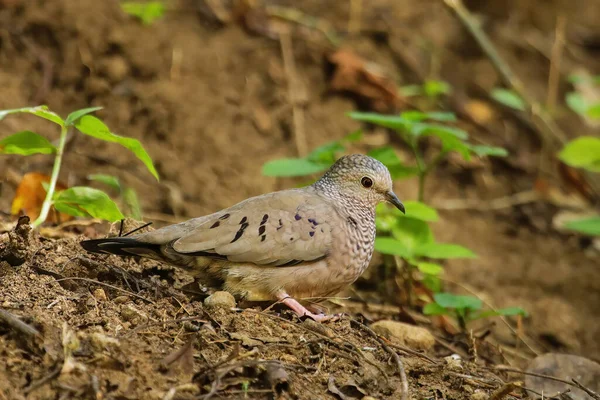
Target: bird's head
<point>361,178</point>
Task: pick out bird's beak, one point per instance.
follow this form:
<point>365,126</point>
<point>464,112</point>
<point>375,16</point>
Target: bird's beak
<point>392,198</point>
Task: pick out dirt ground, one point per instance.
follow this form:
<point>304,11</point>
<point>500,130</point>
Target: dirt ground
<point>209,101</point>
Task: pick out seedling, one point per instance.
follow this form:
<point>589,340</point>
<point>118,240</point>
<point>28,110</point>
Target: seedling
<point>76,201</point>
<point>465,308</point>
<point>583,152</point>
<point>127,195</point>
<point>414,126</point>
<point>407,237</point>
<point>147,12</point>
<point>578,103</point>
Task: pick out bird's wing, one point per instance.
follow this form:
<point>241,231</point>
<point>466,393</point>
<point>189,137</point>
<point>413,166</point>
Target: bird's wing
<point>281,228</point>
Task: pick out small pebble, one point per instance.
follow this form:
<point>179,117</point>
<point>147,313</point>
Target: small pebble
<point>100,294</point>
<point>220,299</point>
<point>412,336</point>
<point>121,299</point>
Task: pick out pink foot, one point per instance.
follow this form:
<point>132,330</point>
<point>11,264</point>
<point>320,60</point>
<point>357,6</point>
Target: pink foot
<point>302,311</point>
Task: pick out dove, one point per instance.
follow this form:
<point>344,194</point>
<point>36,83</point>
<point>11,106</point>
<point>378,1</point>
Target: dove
<point>302,243</point>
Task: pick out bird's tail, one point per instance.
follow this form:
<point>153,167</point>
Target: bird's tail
<point>124,246</point>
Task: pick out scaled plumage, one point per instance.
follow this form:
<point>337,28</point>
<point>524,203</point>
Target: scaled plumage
<point>297,243</point>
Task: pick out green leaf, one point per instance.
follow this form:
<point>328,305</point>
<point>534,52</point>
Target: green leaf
<point>288,167</point>
<point>386,154</point>
<point>108,180</point>
<point>435,88</point>
<point>588,226</point>
<point>449,300</point>
<point>420,211</point>
<point>576,102</point>
<point>388,157</point>
<point>389,121</point>
<point>432,282</point>
<point>75,115</point>
<point>40,111</point>
<point>147,12</point>
<point>440,130</point>
<point>441,116</point>
<point>583,152</point>
<point>509,98</point>
<point>482,151</point>
<point>354,136</point>
<point>450,141</point>
<point>92,126</point>
<point>132,202</point>
<point>429,268</point>
<point>83,201</point>
<point>593,111</point>
<point>410,234</point>
<point>325,154</point>
<point>434,309</point>
<point>443,251</point>
<point>414,115</point>
<point>26,143</point>
<point>392,247</point>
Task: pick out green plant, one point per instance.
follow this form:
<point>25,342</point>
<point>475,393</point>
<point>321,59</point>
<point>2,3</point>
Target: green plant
<point>583,152</point>
<point>415,126</point>
<point>127,195</point>
<point>147,12</point>
<point>578,103</point>
<point>465,308</point>
<point>509,98</point>
<point>408,238</point>
<point>431,89</point>
<point>76,201</point>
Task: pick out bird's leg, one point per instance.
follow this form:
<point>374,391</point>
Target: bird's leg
<point>302,311</point>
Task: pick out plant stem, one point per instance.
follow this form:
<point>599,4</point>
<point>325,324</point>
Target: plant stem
<point>422,169</point>
<point>53,179</point>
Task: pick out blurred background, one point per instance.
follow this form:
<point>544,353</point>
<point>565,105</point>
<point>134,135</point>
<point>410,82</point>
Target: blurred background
<point>216,89</point>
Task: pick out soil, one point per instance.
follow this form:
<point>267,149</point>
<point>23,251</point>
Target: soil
<point>209,101</point>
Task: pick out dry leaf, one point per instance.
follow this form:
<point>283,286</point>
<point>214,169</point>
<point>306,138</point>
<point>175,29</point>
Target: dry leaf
<point>30,195</point>
<point>363,80</point>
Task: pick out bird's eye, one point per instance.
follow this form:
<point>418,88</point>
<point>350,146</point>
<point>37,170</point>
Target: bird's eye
<point>366,182</point>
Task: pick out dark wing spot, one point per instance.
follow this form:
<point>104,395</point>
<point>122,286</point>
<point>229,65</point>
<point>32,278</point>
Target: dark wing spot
<point>225,216</point>
<point>215,224</point>
<point>265,219</point>
<point>239,233</point>
<point>311,233</point>
<point>352,221</point>
<point>263,237</point>
<point>312,221</point>
<point>298,217</point>
<point>261,230</point>
<point>280,225</point>
<point>244,220</point>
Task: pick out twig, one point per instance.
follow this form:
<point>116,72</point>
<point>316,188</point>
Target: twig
<point>549,132</point>
<point>502,392</point>
<point>107,285</point>
<point>298,17</point>
<point>413,352</point>
<point>355,16</point>
<point>40,382</point>
<point>573,382</point>
<point>528,196</point>
<point>395,355</point>
<point>294,92</point>
<point>555,61</point>
<point>18,325</point>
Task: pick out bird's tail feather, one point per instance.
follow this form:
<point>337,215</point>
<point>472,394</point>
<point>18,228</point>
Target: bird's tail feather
<point>123,246</point>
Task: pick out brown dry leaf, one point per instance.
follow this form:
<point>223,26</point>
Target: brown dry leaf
<point>30,195</point>
<point>363,80</point>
